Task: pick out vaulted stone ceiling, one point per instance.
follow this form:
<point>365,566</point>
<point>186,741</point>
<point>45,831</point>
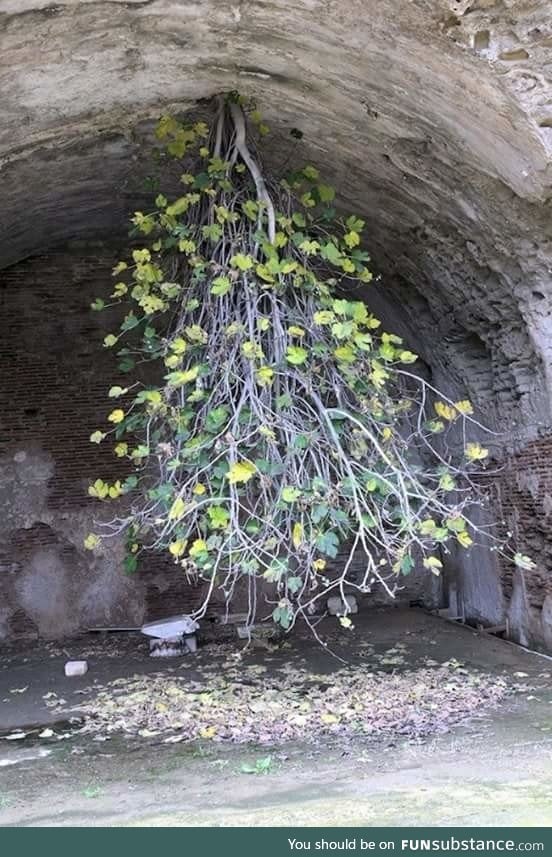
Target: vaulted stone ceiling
<point>432,117</point>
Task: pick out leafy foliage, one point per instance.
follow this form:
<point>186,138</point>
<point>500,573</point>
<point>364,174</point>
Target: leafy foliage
<point>286,430</point>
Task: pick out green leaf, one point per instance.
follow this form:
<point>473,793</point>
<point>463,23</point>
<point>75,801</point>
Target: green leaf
<point>216,418</point>
<point>283,615</point>
<point>311,173</point>
<point>331,253</point>
<point>213,232</point>
<point>179,206</point>
<point>406,564</point>
<point>319,512</point>
<point>456,524</point>
<point>141,451</point>
<point>130,563</point>
<point>446,482</point>
<point>345,354</point>
<point>328,543</point>
<point>343,329</point>
<point>127,364</point>
<point>296,355</point>
<point>221,286</point>
<point>250,209</point>
<point>290,494</point>
<point>218,517</point>
<point>241,261</point>
<point>355,223</point>
<point>326,193</point>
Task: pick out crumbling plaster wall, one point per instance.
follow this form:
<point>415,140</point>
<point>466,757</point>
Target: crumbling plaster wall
<point>432,117</point>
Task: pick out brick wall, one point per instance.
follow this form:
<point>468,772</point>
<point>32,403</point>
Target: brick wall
<point>524,495</point>
<point>53,394</point>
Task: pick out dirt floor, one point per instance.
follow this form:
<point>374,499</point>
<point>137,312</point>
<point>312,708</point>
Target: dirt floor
<point>493,770</point>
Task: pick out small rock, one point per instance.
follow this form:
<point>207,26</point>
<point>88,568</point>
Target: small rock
<point>75,668</point>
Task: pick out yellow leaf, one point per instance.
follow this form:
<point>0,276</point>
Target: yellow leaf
<point>447,412</point>
<point>172,361</point>
<point>464,407</point>
<point>433,564</point>
<point>464,539</point>
<point>115,490</point>
<point>345,622</point>
<point>199,489</point>
<point>97,436</point>
<point>179,345</point>
<point>121,450</point>
<point>296,331</point>
<point>475,452</point>
<point>297,536</point>
<point>198,546</point>
<point>329,718</point>
<point>91,541</point>
<point>116,416</point>
<point>267,432</point>
<point>264,376</point>
<point>323,317</point>
<point>178,547</point>
<point>177,509</point>
<point>119,290</point>
<point>99,489</point>
<point>178,379</point>
<point>208,732</point>
<point>319,564</point>
<point>241,471</point>
<point>352,239</point>
<point>110,340</point>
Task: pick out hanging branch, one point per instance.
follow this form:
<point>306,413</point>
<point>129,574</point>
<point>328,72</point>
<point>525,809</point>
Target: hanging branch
<point>286,451</point>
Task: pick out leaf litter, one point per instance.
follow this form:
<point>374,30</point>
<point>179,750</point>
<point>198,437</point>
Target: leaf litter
<point>248,704</point>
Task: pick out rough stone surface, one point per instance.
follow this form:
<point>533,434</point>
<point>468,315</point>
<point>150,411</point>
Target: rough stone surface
<point>434,120</point>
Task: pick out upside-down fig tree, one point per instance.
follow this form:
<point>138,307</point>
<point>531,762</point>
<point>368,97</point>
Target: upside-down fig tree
<point>283,434</point>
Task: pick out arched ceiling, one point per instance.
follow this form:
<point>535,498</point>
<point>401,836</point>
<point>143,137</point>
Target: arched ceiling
<point>432,117</point>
